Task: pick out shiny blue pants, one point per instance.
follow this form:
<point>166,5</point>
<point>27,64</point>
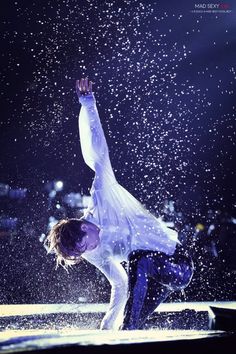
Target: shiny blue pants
<point>153,276</point>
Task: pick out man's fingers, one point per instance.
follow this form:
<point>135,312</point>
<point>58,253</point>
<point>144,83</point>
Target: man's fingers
<point>77,85</point>
<point>84,85</point>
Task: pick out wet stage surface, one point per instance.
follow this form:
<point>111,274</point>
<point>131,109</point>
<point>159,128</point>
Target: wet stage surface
<point>58,328</point>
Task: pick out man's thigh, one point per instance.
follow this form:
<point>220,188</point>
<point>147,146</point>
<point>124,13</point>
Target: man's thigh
<point>172,271</point>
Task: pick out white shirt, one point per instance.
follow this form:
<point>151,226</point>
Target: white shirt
<point>124,223</point>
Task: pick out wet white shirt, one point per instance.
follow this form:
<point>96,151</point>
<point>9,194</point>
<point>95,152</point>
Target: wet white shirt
<point>124,223</point>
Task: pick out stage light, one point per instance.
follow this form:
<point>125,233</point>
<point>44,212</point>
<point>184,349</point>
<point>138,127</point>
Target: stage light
<point>76,200</point>
<point>42,237</point>
<point>52,194</point>
<point>199,227</point>
<point>51,222</point>
<point>58,186</point>
<point>233,220</point>
<point>8,223</point>
<point>85,201</point>
<point>54,186</point>
<point>12,193</point>
<point>210,229</point>
<point>19,193</point>
<point>4,189</point>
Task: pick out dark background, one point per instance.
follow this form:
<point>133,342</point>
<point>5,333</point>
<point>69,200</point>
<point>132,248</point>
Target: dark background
<point>165,88</point>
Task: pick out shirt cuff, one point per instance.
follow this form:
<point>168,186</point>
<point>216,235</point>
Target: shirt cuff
<point>87,100</point>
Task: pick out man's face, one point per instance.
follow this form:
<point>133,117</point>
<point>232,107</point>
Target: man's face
<point>91,240</point>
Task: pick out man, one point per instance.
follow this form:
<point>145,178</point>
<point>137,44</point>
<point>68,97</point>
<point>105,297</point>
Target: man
<point>115,228</point>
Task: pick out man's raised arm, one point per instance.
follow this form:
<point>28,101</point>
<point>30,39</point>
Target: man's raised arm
<point>92,139</point>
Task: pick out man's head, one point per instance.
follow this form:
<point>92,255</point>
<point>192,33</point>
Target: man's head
<point>70,238</point>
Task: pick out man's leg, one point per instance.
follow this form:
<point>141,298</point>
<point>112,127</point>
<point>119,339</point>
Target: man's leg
<point>138,285</point>
<point>156,294</point>
<point>173,271</point>
<point>170,274</point>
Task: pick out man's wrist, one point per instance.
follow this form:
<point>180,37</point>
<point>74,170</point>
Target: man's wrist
<point>87,99</point>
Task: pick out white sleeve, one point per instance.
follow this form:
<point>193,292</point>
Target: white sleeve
<point>93,142</point>
<point>117,276</point>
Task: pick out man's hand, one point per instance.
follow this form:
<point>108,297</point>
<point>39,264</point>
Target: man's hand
<point>83,87</point>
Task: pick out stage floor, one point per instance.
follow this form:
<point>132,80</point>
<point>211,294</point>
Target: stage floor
<point>37,327</point>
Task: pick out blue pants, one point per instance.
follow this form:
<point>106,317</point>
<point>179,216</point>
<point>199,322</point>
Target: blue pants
<point>153,276</point>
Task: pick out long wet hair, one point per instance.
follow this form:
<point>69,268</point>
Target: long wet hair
<point>62,240</point>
